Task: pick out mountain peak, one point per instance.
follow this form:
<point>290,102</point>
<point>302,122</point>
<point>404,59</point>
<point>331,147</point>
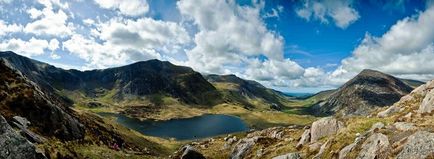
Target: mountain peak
<point>368,90</point>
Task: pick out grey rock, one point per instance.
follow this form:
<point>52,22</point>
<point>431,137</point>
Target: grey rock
<point>305,138</point>
<point>419,145</point>
<point>377,146</point>
<point>13,145</point>
<point>323,148</point>
<point>294,155</point>
<point>324,127</point>
<point>243,147</point>
<point>389,111</point>
<point>403,126</point>
<point>21,121</point>
<point>376,126</point>
<point>314,147</point>
<point>427,105</point>
<point>190,153</point>
<point>347,149</point>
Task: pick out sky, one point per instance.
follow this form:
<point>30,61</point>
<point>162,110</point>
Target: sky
<point>288,45</point>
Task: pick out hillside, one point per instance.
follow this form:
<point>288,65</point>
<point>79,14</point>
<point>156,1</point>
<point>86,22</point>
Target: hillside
<point>57,130</point>
<point>368,90</point>
<point>246,92</point>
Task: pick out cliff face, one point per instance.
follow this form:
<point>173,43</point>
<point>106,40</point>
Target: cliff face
<point>368,90</point>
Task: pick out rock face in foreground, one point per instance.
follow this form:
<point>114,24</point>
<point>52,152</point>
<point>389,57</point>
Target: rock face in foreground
<point>13,145</point>
<point>324,127</point>
<point>419,145</point>
<point>369,89</point>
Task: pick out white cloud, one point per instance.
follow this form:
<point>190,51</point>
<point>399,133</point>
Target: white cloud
<point>29,48</point>
<point>48,22</point>
<point>340,11</point>
<point>9,28</point>
<point>125,41</point>
<point>271,69</point>
<point>126,7</point>
<point>407,49</point>
<point>53,45</point>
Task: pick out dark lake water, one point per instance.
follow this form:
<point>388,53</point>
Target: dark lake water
<point>184,129</point>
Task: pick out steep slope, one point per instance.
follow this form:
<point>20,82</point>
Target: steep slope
<point>20,97</point>
<point>131,81</point>
<point>368,90</point>
<point>244,91</point>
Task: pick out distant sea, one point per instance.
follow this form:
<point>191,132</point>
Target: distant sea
<point>299,95</point>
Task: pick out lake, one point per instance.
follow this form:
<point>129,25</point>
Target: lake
<point>184,129</point>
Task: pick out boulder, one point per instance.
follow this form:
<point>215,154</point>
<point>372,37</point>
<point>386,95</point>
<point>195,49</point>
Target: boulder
<point>377,146</point>
<point>419,145</point>
<point>305,138</point>
<point>324,127</point>
<point>188,152</point>
<point>403,126</point>
<point>323,148</point>
<point>427,105</point>
<point>347,149</point>
<point>389,111</point>
<point>294,155</point>
<point>314,147</point>
<point>243,147</point>
<point>21,121</point>
<point>376,126</point>
<point>13,145</point>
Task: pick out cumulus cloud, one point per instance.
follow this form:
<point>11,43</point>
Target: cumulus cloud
<point>9,28</point>
<point>48,22</point>
<point>123,40</point>
<point>32,47</point>
<point>126,7</point>
<point>340,11</point>
<point>407,49</point>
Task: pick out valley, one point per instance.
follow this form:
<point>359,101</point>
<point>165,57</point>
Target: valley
<point>154,109</point>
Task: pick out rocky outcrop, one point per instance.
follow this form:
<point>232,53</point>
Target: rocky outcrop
<point>427,105</point>
<point>190,153</point>
<point>243,147</point>
<point>419,145</point>
<point>294,155</point>
<point>324,127</point>
<point>377,146</point>
<point>403,126</point>
<point>305,138</point>
<point>347,149</point>
<point>368,90</point>
<point>14,146</point>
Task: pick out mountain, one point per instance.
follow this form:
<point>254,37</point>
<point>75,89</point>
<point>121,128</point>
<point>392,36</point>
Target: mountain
<point>369,89</point>
<point>137,80</point>
<point>235,89</point>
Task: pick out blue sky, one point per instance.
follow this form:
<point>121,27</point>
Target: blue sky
<point>289,45</point>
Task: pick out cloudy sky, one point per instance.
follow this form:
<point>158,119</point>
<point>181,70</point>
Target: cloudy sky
<point>289,45</point>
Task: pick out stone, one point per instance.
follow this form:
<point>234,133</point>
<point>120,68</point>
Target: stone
<point>21,121</point>
<point>377,146</point>
<point>324,127</point>
<point>427,105</point>
<point>294,155</point>
<point>389,111</point>
<point>314,147</point>
<point>347,149</point>
<point>242,148</point>
<point>323,148</point>
<point>419,145</point>
<point>189,152</point>
<point>376,126</point>
<point>13,145</point>
<point>305,138</point>
<point>403,126</point>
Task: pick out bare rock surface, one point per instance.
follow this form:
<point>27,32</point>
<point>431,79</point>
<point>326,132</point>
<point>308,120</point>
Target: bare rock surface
<point>377,146</point>
<point>420,145</point>
<point>324,127</point>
